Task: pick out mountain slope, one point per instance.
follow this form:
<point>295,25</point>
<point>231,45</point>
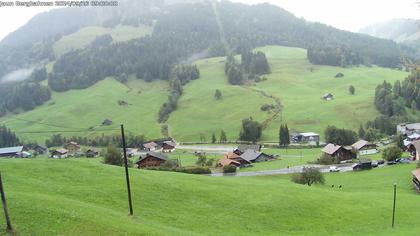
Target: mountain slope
<point>399,30</point>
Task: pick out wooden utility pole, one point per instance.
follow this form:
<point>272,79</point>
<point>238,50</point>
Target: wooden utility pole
<point>9,227</point>
<point>127,177</point>
<point>393,208</point>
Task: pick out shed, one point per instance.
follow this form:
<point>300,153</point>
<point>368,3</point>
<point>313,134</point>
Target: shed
<point>10,151</point>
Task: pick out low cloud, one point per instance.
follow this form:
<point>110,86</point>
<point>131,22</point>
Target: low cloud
<point>17,75</point>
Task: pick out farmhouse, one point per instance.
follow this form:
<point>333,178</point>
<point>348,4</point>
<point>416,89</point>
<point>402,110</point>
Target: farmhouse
<point>408,129</point>
<point>227,162</point>
<point>255,156</point>
<point>72,148</point>
<point>242,148</point>
<point>308,137</point>
<point>328,97</point>
<point>150,146</point>
<point>237,158</point>
<point>416,179</point>
<point>168,146</point>
<point>151,159</point>
<point>363,147</point>
<point>337,151</point>
<point>10,151</point>
<point>39,149</point>
<point>414,149</point>
<point>59,153</point>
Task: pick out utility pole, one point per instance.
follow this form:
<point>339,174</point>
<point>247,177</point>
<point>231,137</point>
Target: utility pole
<point>393,208</point>
<point>127,177</point>
<point>9,227</point>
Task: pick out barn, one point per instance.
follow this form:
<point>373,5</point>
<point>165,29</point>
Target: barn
<point>151,159</point>
<point>10,151</point>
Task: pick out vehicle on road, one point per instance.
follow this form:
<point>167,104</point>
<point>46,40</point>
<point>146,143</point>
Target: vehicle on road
<point>391,162</point>
<point>334,169</point>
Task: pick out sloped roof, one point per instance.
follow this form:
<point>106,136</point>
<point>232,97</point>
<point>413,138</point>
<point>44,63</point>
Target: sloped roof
<point>154,154</point>
<point>62,151</point>
<point>250,155</point>
<point>309,134</point>
<point>150,145</point>
<point>9,150</point>
<point>170,143</point>
<point>413,126</point>
<point>360,144</point>
<point>331,148</point>
<point>416,173</point>
<point>226,162</point>
<point>231,155</point>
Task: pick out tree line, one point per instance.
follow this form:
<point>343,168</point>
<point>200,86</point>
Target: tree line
<point>8,138</point>
<point>57,140</point>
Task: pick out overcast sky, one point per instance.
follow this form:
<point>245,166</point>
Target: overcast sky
<point>343,14</point>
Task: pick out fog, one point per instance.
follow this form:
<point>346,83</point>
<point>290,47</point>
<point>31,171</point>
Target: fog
<point>17,75</point>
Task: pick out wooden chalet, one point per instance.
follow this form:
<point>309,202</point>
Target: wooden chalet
<point>363,147</point>
<point>59,153</point>
<point>232,158</point>
<point>416,179</point>
<point>151,159</point>
<point>11,151</point>
<point>242,148</point>
<point>150,146</point>
<point>72,148</point>
<point>168,146</point>
<point>227,162</point>
<point>341,152</point>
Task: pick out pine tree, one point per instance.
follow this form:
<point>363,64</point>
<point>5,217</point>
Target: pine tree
<point>223,138</point>
<point>213,138</point>
<point>361,132</point>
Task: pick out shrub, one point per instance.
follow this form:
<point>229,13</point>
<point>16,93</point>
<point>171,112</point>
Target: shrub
<point>392,153</point>
<point>326,159</point>
<point>308,176</point>
<point>229,169</point>
<point>112,156</point>
<point>195,170</point>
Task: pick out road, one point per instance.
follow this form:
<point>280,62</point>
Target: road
<point>285,171</point>
<point>207,149</point>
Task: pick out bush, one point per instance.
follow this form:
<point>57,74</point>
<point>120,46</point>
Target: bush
<point>326,159</point>
<point>229,169</point>
<point>308,176</point>
<point>194,170</point>
<point>392,153</point>
<point>112,156</point>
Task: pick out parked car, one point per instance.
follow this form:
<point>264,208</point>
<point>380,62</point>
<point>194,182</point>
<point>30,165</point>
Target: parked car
<point>391,162</point>
<point>375,164</point>
<point>334,169</point>
<point>381,162</point>
<point>404,161</point>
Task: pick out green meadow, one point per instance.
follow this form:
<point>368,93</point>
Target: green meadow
<point>88,108</point>
<point>298,84</point>
<point>85,197</point>
<point>86,35</point>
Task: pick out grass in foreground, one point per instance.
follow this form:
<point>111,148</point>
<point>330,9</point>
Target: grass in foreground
<point>85,197</point>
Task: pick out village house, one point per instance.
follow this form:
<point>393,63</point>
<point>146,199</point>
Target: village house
<point>242,148</point>
<point>342,153</point>
<point>416,179</point>
<point>255,156</point>
<point>150,146</point>
<point>414,150</point>
<point>308,137</point>
<point>59,153</point>
<point>227,162</point>
<point>11,151</point>
<point>363,147</point>
<point>168,146</point>
<point>151,159</point>
<point>72,148</point>
<point>234,159</point>
<point>408,129</point>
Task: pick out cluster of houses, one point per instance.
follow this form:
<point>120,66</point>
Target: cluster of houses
<point>18,151</point>
<point>344,153</point>
<point>412,138</point>
<point>73,149</point>
<point>244,156</point>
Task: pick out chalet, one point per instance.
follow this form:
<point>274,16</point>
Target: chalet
<point>255,156</point>
<point>363,147</point>
<point>151,159</point>
<point>414,149</point>
<point>408,129</point>
<point>10,151</point>
<point>328,97</point>
<point>59,153</point>
<point>227,162</point>
<point>364,164</point>
<point>416,179</point>
<point>39,149</point>
<point>151,146</point>
<point>107,122</point>
<point>341,152</point>
<point>308,137</point>
<point>168,146</point>
<point>242,148</point>
<point>72,148</point>
<point>91,153</point>
<point>233,156</point>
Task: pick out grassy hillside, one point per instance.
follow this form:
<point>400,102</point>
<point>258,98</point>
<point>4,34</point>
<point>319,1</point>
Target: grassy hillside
<point>85,197</point>
<point>86,35</point>
<point>299,85</point>
<point>87,108</point>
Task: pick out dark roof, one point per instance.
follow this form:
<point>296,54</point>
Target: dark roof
<point>170,143</point>
<point>242,148</point>
<point>9,150</point>
<point>154,154</point>
<point>250,155</point>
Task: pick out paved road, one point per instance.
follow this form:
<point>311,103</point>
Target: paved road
<point>285,171</point>
<point>208,149</point>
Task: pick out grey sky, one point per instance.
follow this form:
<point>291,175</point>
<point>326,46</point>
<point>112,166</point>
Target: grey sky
<point>343,14</point>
